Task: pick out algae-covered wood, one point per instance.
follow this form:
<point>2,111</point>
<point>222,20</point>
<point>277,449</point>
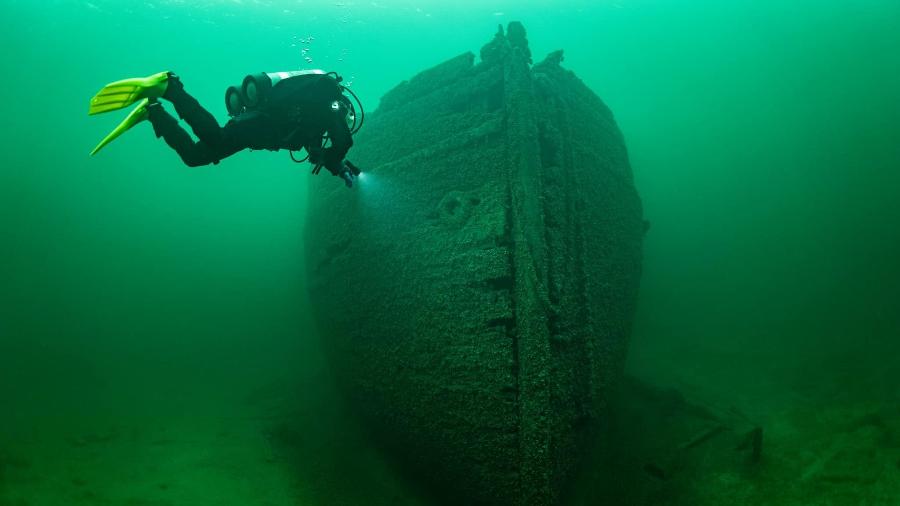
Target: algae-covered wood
<point>475,290</point>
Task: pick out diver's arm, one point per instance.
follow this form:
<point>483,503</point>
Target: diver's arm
<point>341,142</point>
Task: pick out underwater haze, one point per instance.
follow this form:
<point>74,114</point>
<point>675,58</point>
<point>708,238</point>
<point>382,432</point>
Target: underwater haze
<point>156,346</point>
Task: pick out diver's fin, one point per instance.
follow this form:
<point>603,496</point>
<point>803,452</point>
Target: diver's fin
<point>123,93</point>
<point>139,114</point>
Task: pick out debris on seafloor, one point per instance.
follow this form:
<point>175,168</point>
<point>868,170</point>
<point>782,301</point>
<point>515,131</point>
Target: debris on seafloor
<point>702,437</point>
<point>817,465</point>
<point>660,445</point>
<point>856,439</point>
<point>753,441</point>
<point>717,423</point>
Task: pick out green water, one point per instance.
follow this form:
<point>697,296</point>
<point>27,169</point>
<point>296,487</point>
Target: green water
<point>153,330</point>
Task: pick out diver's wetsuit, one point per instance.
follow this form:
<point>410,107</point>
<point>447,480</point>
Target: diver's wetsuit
<point>296,118</point>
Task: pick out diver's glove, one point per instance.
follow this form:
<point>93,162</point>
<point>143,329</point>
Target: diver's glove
<point>347,176</point>
<point>353,168</point>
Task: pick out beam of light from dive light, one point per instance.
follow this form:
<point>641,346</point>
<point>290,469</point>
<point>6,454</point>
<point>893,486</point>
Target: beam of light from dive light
<point>369,184</point>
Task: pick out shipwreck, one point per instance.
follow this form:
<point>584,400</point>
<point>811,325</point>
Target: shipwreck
<point>475,291</point>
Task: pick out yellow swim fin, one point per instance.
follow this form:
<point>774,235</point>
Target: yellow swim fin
<point>136,116</point>
<point>123,93</point>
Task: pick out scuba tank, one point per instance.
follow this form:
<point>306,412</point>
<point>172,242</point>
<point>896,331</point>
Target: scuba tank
<point>254,91</point>
<point>257,91</point>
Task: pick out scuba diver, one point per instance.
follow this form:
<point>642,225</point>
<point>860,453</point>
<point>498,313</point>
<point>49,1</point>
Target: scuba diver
<point>304,109</point>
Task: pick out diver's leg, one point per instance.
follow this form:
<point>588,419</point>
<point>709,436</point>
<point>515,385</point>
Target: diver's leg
<point>204,125</point>
<point>194,154</point>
